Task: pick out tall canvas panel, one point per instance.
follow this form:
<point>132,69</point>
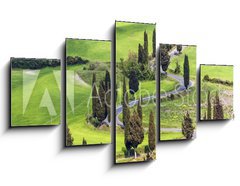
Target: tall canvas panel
<point>177,92</point>
<point>135,92</point>
<point>88,92</point>
<point>35,92</point>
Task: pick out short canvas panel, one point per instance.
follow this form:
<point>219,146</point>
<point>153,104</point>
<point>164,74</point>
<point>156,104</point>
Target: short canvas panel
<point>216,92</point>
<point>88,92</point>
<point>35,92</point>
<point>177,92</point>
<point>135,96</point>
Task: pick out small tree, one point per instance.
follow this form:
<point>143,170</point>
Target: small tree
<point>179,48</point>
<point>164,56</point>
<point>125,114</point>
<point>151,133</point>
<point>154,43</point>
<point>139,109</point>
<point>100,106</point>
<point>209,107</point>
<point>94,95</point>
<point>133,82</point>
<point>177,69</point>
<point>69,138</point>
<point>187,128</point>
<point>145,47</point>
<point>186,73</point>
<point>108,95</point>
<point>136,131</point>
<point>140,54</point>
<point>218,108</point>
<point>84,142</point>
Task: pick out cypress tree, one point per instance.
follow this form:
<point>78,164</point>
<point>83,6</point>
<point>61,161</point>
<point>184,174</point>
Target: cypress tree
<point>140,54</point>
<point>154,43</point>
<point>187,128</point>
<point>145,47</point>
<point>151,132</point>
<point>218,108</point>
<point>108,95</point>
<point>100,106</point>
<point>179,48</point>
<point>139,109</point>
<point>133,82</point>
<point>84,142</point>
<point>136,131</point>
<point>94,95</point>
<point>125,101</point>
<point>209,107</point>
<point>126,116</point>
<point>186,71</point>
<point>69,138</point>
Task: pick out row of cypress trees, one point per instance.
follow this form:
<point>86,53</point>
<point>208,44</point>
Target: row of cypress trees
<point>216,112</point>
<point>143,50</point>
<point>133,128</point>
<point>101,98</point>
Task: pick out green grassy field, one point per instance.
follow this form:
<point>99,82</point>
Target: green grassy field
<point>98,54</point>
<point>93,50</point>
<point>190,51</point>
<point>173,111</point>
<point>217,71</point>
<point>225,92</point>
<point>128,37</point>
<point>34,114</point>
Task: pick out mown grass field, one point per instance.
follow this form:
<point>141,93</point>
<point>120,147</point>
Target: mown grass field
<point>35,114</point>
<point>225,92</point>
<point>128,37</point>
<point>98,53</point>
<point>92,50</point>
<point>172,111</point>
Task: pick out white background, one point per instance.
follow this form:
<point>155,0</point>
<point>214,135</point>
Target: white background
<point>35,156</point>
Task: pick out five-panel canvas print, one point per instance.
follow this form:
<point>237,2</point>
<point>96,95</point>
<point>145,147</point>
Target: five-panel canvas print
<point>98,101</point>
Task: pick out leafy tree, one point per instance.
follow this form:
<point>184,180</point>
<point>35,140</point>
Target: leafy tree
<point>164,56</point>
<point>187,127</point>
<point>151,133</point>
<point>84,142</point>
<point>186,73</point>
<point>179,48</point>
<point>133,82</point>
<point>154,43</point>
<point>217,108</point>
<point>69,138</point>
<point>145,46</point>
<point>209,107</point>
<point>139,109</point>
<point>94,95</point>
<point>100,105</point>
<point>136,131</point>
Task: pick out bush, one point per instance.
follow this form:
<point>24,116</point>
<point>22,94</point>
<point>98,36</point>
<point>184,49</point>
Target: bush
<point>33,63</point>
